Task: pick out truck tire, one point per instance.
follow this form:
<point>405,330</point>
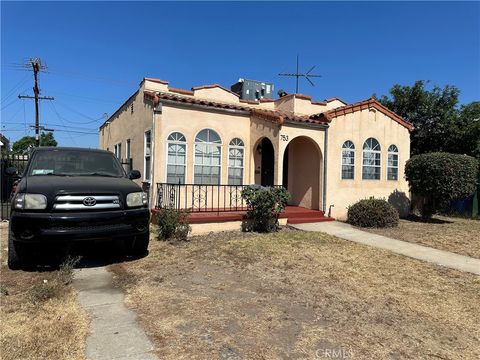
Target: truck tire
<point>14,259</point>
<point>140,245</point>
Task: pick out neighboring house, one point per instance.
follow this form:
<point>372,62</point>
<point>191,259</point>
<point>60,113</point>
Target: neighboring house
<point>324,152</point>
<point>4,143</point>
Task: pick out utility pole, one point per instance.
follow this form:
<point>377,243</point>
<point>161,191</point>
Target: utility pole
<point>36,66</point>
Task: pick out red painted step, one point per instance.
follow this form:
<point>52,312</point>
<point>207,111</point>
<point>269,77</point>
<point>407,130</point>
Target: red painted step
<point>294,214</point>
<point>307,220</point>
<point>299,215</point>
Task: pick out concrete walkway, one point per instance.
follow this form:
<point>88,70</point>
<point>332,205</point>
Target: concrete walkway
<point>114,331</point>
<point>440,257</point>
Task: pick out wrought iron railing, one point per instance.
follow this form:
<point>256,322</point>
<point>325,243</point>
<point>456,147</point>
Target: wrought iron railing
<point>200,198</point>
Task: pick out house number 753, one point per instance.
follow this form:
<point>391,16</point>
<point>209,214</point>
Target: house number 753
<point>284,137</point>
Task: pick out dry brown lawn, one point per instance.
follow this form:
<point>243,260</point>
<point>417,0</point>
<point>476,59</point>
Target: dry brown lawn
<point>461,236</point>
<point>39,316</point>
<point>297,295</point>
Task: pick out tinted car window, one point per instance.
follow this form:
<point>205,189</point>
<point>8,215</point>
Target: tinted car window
<point>75,163</point>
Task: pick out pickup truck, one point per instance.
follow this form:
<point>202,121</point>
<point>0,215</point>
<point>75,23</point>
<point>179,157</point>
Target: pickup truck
<point>67,195</point>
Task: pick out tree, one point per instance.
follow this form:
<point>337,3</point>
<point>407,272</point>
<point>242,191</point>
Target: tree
<point>441,178</point>
<point>21,145</point>
<point>440,125</point>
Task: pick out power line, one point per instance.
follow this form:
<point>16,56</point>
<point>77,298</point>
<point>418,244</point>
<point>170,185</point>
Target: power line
<point>88,98</point>
<point>78,132</point>
<point>91,77</point>
<point>70,127</point>
<point>10,103</point>
<point>92,120</point>
<point>12,91</point>
<point>61,119</point>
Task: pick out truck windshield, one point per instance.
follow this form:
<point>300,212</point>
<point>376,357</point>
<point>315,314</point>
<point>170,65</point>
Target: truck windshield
<point>75,163</point>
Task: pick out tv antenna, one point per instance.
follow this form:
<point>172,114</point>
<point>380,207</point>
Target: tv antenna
<point>298,75</point>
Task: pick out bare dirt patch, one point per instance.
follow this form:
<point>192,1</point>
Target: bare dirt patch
<point>457,235</point>
<point>39,314</point>
<point>298,295</point>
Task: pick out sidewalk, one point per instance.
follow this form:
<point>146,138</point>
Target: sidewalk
<point>114,331</point>
<point>439,257</point>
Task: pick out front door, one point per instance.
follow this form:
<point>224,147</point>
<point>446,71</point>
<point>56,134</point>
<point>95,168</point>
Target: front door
<point>267,163</point>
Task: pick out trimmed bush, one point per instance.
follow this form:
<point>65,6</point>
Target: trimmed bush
<point>264,207</point>
<point>372,213</point>
<point>441,178</point>
<point>171,224</point>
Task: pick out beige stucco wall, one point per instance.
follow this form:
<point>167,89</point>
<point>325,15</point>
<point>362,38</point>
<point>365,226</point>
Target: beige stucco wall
<point>189,122</point>
<point>258,130</point>
<point>154,86</point>
<point>129,125</point>
<point>306,156</point>
<point>305,163</point>
<point>358,127</point>
<point>306,107</point>
<point>333,104</point>
<point>217,94</point>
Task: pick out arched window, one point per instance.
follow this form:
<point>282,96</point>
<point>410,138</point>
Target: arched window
<point>235,162</point>
<point>348,160</point>
<point>208,154</point>
<point>176,158</point>
<point>371,160</point>
<point>392,163</point>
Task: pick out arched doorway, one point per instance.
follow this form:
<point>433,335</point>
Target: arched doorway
<point>264,157</point>
<point>302,163</point>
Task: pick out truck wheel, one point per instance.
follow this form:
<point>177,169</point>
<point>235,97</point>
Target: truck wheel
<point>140,245</point>
<point>14,259</point>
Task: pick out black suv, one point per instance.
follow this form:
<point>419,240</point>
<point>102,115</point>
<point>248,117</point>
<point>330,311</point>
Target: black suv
<point>73,194</point>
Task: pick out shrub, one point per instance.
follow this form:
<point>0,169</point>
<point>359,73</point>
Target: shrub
<point>372,213</point>
<point>171,224</point>
<point>45,291</point>
<point>441,178</point>
<point>65,274</point>
<point>264,207</point>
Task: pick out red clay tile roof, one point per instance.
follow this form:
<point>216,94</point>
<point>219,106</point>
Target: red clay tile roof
<point>333,99</point>
<point>254,102</point>
<point>211,86</point>
<point>155,98</point>
<point>305,97</point>
<point>267,100</point>
<point>181,91</point>
<point>156,80</point>
<point>285,116</point>
<point>361,105</point>
<point>271,115</point>
<point>302,96</point>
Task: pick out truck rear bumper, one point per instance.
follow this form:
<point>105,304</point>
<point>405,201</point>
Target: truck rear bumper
<point>70,227</point>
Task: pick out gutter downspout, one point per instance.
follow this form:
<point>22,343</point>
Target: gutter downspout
<point>325,172</point>
<point>157,108</point>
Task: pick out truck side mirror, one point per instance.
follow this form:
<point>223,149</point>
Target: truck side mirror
<point>11,171</point>
<point>134,174</point>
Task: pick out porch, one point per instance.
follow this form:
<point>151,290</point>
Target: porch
<point>222,203</point>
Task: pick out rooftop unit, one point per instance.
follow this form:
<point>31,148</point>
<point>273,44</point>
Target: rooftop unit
<point>252,89</point>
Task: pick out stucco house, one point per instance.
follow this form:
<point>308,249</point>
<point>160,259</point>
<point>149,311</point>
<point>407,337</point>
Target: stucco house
<point>196,148</point>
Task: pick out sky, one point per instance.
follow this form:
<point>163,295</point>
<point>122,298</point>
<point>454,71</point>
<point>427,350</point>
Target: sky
<point>98,52</point>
